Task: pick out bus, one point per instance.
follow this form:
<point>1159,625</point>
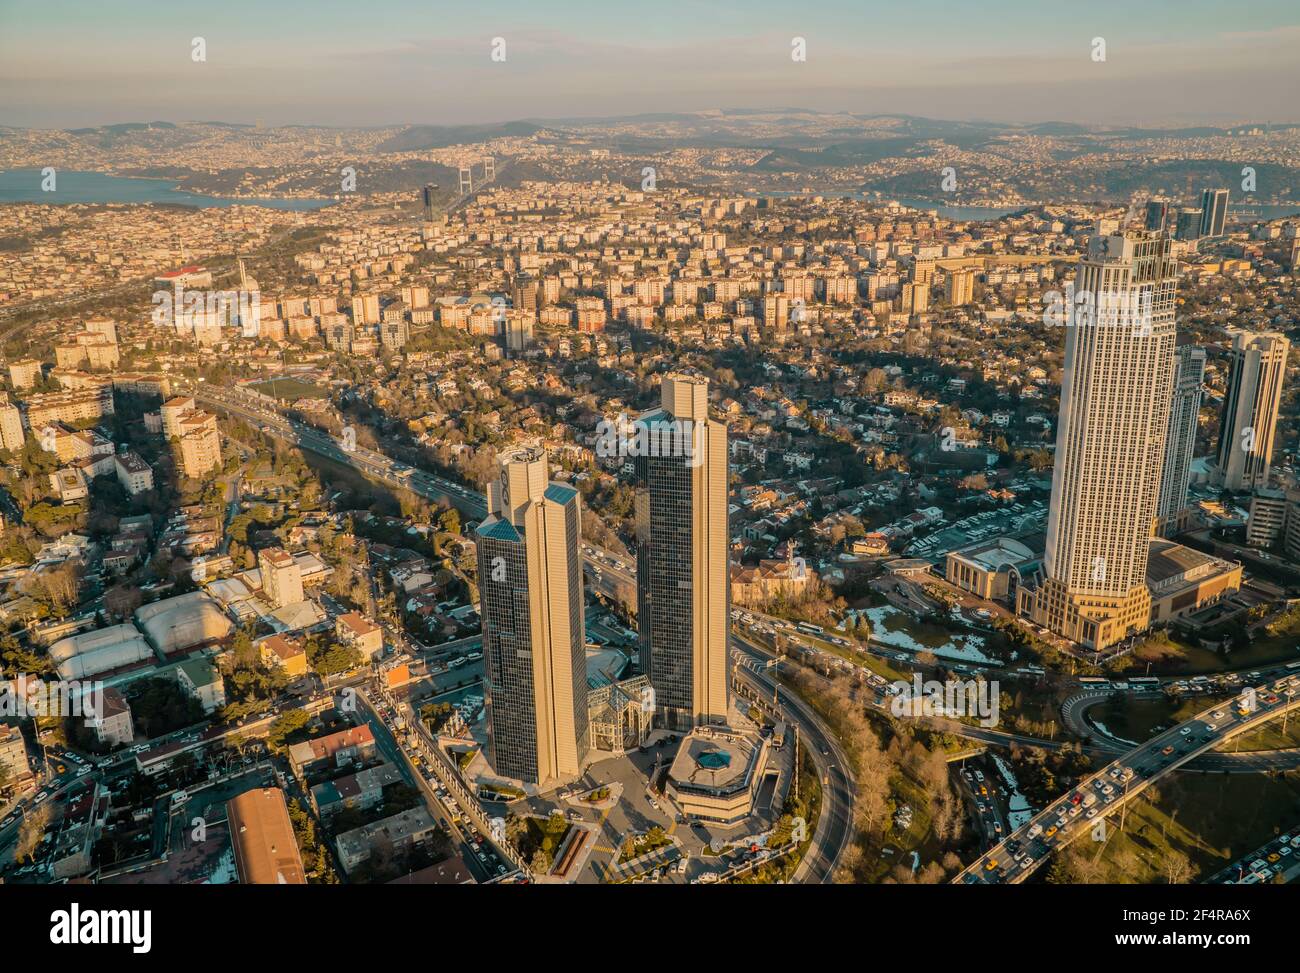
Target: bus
<point>778,736</point>
<point>809,629</point>
<point>1095,682</point>
<point>1144,681</point>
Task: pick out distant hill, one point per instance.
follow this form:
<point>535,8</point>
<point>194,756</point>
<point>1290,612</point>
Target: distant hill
<point>419,137</point>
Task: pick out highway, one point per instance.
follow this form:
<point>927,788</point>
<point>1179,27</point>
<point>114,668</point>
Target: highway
<point>1277,860</point>
<point>1073,712</point>
<point>249,407</point>
<point>1120,781</point>
<point>834,826</point>
<point>606,571</point>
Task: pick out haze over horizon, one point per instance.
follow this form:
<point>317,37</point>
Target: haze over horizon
<point>399,63</point>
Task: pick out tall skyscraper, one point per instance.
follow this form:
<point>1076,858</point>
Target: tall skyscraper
<point>427,197</point>
<point>1256,373</point>
<point>1110,444</point>
<point>1157,220</point>
<point>534,647</point>
<point>1214,212</point>
<point>1187,224</point>
<point>683,590</point>
<point>1189,373</point>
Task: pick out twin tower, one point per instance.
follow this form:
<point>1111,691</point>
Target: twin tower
<point>531,599</point>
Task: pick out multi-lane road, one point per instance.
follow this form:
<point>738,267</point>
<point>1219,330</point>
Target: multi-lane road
<point>247,406</point>
<point>834,826</point>
<point>1011,861</point>
<point>606,571</point>
<point>1082,809</point>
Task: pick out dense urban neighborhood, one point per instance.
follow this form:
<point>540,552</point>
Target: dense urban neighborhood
<point>698,498</point>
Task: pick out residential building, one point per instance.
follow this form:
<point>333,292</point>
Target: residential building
<point>194,435</point>
<point>112,724</point>
<point>355,745</point>
<point>92,402</point>
<point>281,576</point>
<point>13,754</point>
<point>202,680</point>
<point>359,791</point>
<point>135,475</point>
<point>25,373</point>
<point>1180,441</point>
<point>11,428</point>
<point>354,629</point>
<point>285,654</point>
<point>398,833</point>
<point>1248,425</point>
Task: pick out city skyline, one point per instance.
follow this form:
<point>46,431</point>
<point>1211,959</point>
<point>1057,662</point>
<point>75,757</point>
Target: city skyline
<point>467,455</point>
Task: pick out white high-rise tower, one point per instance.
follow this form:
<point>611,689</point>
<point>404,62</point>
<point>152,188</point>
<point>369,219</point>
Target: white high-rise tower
<point>1110,443</point>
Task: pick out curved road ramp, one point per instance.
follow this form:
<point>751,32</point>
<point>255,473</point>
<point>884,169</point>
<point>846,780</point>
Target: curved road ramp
<point>1084,809</point>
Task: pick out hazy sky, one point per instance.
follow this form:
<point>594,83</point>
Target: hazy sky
<point>382,62</point>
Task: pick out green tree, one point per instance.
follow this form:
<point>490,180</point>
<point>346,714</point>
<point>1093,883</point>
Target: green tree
<point>285,726</point>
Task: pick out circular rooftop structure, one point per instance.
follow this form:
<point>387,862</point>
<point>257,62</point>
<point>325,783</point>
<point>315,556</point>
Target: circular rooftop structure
<point>714,760</point>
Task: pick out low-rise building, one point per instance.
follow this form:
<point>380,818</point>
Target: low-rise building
<point>202,680</point>
<point>13,755</point>
<point>716,773</point>
<point>112,724</point>
<point>359,791</point>
<point>361,633</point>
<point>355,745</point>
<point>754,586</point>
<point>266,851</point>
<point>399,833</point>
<point>990,569</point>
<point>285,654</point>
<point>135,475</point>
<point>1183,581</point>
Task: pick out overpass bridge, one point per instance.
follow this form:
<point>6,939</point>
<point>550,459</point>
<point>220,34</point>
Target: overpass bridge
<point>1116,784</point>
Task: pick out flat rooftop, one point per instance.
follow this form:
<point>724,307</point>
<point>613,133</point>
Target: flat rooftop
<point>715,760</point>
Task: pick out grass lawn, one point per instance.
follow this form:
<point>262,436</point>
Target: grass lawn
<point>289,388</point>
<point>1270,736</point>
<point>1139,719</point>
<point>1173,657</point>
<point>634,846</point>
<point>1211,818</point>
